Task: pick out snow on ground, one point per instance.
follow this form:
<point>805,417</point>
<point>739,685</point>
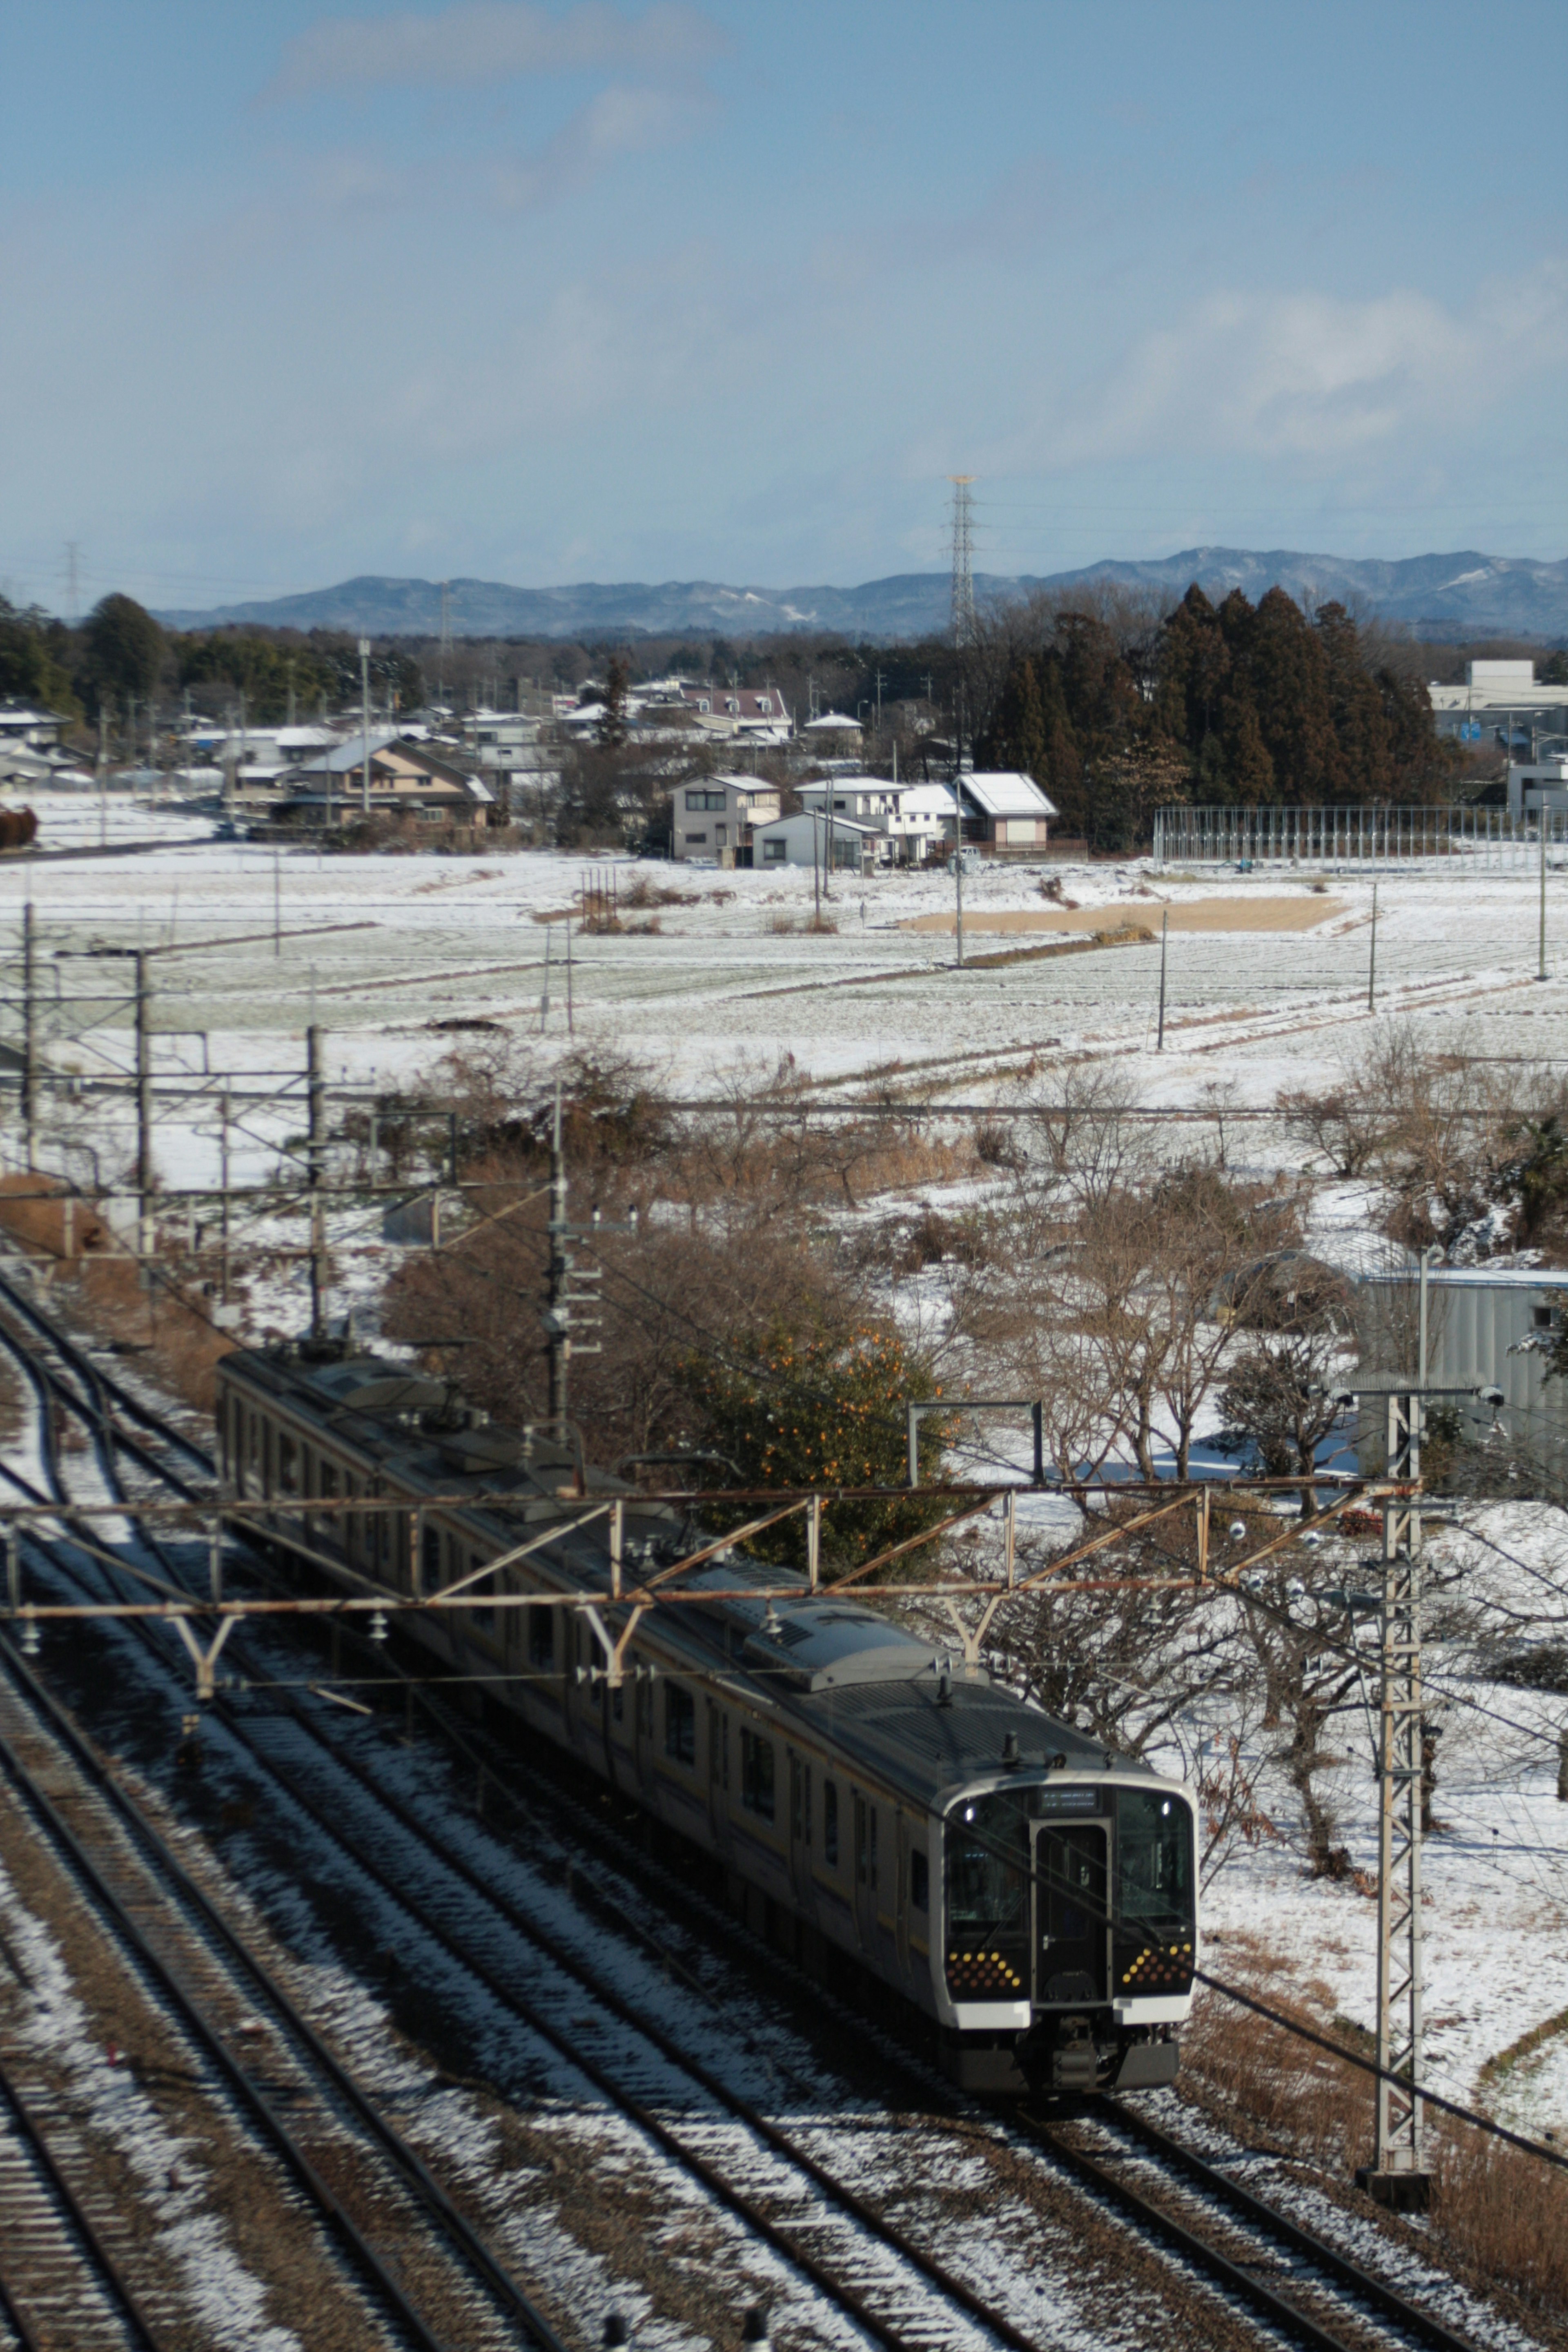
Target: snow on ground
<point>730,981</point>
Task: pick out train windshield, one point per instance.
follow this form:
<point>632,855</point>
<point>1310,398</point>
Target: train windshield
<point>1153,1861</point>
<point>988,1867</point>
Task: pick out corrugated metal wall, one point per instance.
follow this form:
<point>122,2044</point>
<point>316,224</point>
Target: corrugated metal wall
<point>1478,1330</point>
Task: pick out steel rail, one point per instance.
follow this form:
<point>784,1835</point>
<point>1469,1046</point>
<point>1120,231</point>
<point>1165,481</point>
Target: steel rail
<point>1388,2304</point>
<point>1236,2278</point>
<point>29,2130</point>
<point>848,2297</point>
<point>417,2176</point>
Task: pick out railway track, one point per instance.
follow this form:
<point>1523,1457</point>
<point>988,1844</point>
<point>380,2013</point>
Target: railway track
<point>1254,2257</point>
<point>62,2278</point>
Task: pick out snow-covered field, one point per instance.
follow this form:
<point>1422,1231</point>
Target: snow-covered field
<point>730,981</point>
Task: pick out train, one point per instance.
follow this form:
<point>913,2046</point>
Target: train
<point>882,1809</point>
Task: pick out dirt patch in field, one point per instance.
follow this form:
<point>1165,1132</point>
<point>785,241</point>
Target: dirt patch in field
<point>1198,915</point>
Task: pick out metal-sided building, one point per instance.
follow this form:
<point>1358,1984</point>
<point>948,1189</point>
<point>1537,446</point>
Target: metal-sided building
<point>1491,1326</point>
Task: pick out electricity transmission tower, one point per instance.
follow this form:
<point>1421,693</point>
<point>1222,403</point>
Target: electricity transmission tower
<point>962,551</point>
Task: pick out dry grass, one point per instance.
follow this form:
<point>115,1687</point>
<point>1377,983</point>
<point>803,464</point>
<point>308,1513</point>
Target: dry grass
<point>820,922</point>
<point>1302,914</point>
<point>779,922</point>
<point>1498,2216</point>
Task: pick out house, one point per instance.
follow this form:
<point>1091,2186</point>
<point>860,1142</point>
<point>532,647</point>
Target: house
<point>911,818</point>
<point>1004,812</point>
<point>838,843</point>
<point>757,711</point>
<point>22,726</point>
<point>716,818</point>
<point>411,786</point>
<point>833,734</point>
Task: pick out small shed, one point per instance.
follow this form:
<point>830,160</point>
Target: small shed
<point>812,838</point>
<point>1489,1325</point>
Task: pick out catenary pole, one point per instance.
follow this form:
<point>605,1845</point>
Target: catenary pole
<point>143,1106</point>
<point>1165,928</point>
<point>364,713</point>
<point>29,1040</point>
<point>1371,963</point>
<point>316,1099</point>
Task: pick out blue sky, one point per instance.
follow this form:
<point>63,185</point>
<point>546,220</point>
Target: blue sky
<point>708,289</point>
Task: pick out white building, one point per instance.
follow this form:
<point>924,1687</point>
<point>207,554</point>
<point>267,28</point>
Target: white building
<point>838,843</point>
<point>1502,700</point>
<point>713,819</point>
<point>910,818</point>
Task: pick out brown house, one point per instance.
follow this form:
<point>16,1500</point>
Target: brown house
<point>411,786</point>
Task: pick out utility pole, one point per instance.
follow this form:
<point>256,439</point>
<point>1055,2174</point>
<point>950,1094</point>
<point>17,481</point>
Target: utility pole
<point>962,552</point>
<point>102,774</point>
<point>1397,2176</point>
<point>958,878</point>
<point>316,1094</point>
<point>557,1321</point>
<point>1540,963</point>
<point>1164,930</point>
<point>143,1106</point>
<point>364,710</point>
<point>222,1198</point>
<point>1371,963</point>
<point>29,1041</point>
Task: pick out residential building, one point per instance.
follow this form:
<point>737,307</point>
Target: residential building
<point>22,725</point>
<point>757,711</point>
<point>410,786</point>
<point>912,819</point>
<point>715,819</point>
<point>1003,812</point>
<point>837,844</point>
<point>833,734</point>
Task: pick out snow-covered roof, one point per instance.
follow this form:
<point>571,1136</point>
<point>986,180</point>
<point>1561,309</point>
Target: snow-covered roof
<point>1004,791</point>
<point>817,817</point>
<point>835,722</point>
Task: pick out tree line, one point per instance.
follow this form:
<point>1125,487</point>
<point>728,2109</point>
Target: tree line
<point>1238,703</point>
<point>121,656</point>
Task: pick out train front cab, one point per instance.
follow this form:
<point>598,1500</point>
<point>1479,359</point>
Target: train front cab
<point>1069,1934</point>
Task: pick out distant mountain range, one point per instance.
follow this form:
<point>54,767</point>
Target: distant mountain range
<point>1445,597</point>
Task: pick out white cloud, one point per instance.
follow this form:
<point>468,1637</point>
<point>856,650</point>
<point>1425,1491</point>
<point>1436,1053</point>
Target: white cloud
<point>1312,377</point>
<point>488,40</point>
<point>620,121</point>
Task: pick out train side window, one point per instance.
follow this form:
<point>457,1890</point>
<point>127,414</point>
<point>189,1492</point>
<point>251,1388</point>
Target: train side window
<point>919,1880</point>
<point>644,1706</point>
<point>288,1465</point>
<point>757,1774</point>
<point>865,1843</point>
<point>799,1802</point>
<point>679,1724</point>
<point>830,1823</point>
<point>483,1613</point>
<point>718,1746</point>
<point>542,1640</point>
<point>430,1557</point>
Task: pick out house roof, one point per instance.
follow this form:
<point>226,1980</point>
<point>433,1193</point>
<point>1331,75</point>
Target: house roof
<point>1003,792</point>
<point>836,723</point>
<point>816,817</point>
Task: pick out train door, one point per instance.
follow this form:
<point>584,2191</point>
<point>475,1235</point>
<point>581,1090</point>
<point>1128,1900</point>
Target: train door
<point>718,1776</point>
<point>866,1862</point>
<point>800,1829</point>
<point>1072,1934</point>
